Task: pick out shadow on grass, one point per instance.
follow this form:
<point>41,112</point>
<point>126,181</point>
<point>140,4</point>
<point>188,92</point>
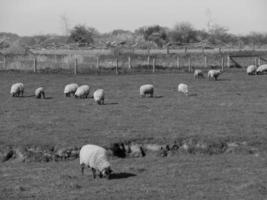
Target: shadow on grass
<point>111,103</point>
<point>158,97</point>
<point>121,175</point>
<point>223,79</point>
<point>48,98</point>
<point>27,96</point>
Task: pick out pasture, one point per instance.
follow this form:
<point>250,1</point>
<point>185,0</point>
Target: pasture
<point>232,109</point>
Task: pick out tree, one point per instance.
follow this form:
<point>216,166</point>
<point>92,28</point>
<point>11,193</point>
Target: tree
<point>155,34</point>
<point>183,33</point>
<point>83,35</point>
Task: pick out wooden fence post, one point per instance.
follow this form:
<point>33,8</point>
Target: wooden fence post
<point>205,61</point>
<point>4,62</point>
<point>178,62</point>
<point>117,65</point>
<point>35,64</point>
<point>189,63</point>
<point>129,62</point>
<point>97,64</point>
<point>228,62</point>
<point>148,60</point>
<point>75,66</point>
<point>154,64</point>
<point>256,61</point>
<point>222,63</point>
<point>259,61</point>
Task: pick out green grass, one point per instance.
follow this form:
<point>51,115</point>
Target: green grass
<point>234,107</point>
<point>191,177</point>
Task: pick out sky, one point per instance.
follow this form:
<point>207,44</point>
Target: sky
<point>34,17</point>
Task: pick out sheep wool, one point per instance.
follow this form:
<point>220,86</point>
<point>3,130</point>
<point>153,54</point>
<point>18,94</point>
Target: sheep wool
<point>198,74</point>
<point>17,89</point>
<point>214,74</point>
<point>70,89</point>
<point>82,91</point>
<point>99,96</point>
<point>251,69</point>
<point>183,88</point>
<point>39,92</point>
<point>147,89</point>
<point>261,69</point>
<point>95,157</point>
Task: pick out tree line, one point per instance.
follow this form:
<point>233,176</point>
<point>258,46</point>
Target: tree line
<point>154,36</point>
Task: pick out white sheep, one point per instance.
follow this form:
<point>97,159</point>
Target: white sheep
<point>39,92</point>
<point>183,88</point>
<point>147,89</point>
<point>17,89</point>
<point>95,157</point>
<point>261,69</point>
<point>70,89</point>
<point>99,96</point>
<point>214,74</point>
<point>251,69</point>
<point>198,74</point>
<point>82,91</point>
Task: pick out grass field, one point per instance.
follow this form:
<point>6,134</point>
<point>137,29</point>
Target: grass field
<point>233,108</point>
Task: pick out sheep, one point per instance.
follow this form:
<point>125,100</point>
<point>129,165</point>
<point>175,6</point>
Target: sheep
<point>82,91</point>
<point>39,92</point>
<point>261,69</point>
<point>95,157</point>
<point>251,69</point>
<point>17,89</point>
<point>183,88</point>
<point>214,74</point>
<point>70,89</point>
<point>99,96</point>
<point>147,89</point>
<point>198,74</point>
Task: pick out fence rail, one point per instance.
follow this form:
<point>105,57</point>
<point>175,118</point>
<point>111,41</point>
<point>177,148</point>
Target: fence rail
<point>91,61</point>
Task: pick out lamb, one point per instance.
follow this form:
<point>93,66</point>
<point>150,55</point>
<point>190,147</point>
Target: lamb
<point>17,89</point>
<point>70,89</point>
<point>214,74</point>
<point>147,89</point>
<point>95,157</point>
<point>99,96</point>
<point>82,91</point>
<point>261,69</point>
<point>198,74</point>
<point>251,69</point>
<point>39,92</point>
<point>183,88</point>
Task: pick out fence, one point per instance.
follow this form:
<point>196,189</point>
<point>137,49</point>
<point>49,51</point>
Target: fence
<point>126,61</point>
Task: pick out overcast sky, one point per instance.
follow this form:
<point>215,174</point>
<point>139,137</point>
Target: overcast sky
<point>31,17</point>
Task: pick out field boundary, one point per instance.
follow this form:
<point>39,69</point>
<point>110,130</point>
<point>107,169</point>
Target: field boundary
<point>130,60</point>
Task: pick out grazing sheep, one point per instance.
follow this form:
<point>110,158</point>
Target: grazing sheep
<point>261,69</point>
<point>198,74</point>
<point>99,96</point>
<point>251,69</point>
<point>214,74</point>
<point>183,88</point>
<point>17,89</point>
<point>70,89</point>
<point>147,89</point>
<point>39,92</point>
<point>95,157</point>
<point>82,91</point>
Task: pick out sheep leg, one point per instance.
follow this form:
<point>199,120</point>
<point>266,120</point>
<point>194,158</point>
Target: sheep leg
<point>82,168</point>
<point>94,173</point>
